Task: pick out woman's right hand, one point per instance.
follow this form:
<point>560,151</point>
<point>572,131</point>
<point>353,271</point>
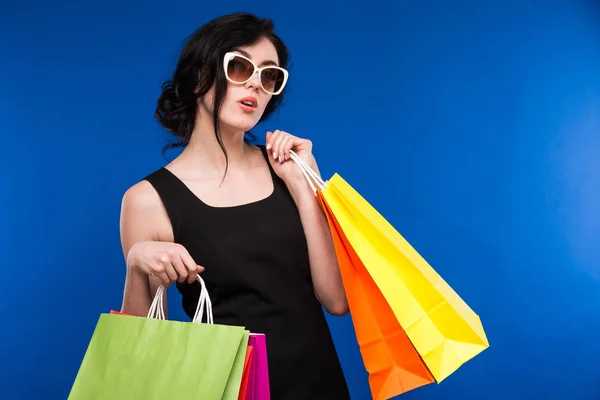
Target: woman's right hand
<point>167,261</point>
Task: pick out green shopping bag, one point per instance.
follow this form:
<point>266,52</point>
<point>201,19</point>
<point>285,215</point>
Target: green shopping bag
<point>131,357</point>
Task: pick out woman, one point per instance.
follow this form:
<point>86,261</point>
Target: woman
<point>242,215</point>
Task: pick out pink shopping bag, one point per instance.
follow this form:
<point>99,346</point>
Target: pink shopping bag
<point>258,379</point>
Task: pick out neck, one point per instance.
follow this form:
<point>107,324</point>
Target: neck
<point>204,149</point>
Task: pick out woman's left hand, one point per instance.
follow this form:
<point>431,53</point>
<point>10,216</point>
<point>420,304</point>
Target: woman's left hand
<point>279,144</point>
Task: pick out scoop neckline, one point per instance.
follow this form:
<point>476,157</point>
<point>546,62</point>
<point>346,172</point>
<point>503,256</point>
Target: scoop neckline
<point>236,206</point>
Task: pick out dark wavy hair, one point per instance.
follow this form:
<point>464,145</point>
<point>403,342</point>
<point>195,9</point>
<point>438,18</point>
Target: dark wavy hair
<point>200,65</point>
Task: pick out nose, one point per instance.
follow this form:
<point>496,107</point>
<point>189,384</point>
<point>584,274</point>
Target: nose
<point>254,81</point>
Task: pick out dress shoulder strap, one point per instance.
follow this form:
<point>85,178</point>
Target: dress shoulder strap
<point>173,194</point>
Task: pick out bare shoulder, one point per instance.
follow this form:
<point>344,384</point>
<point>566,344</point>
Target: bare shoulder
<point>143,215</point>
<point>141,197</point>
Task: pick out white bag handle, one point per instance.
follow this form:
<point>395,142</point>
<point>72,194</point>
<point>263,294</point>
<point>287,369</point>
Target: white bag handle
<point>157,309</point>
<point>316,182</point>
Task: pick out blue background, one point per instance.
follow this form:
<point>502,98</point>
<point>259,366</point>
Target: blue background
<point>474,127</point>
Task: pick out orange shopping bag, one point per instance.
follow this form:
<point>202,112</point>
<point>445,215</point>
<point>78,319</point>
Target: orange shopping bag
<point>393,364</point>
<point>444,330</point>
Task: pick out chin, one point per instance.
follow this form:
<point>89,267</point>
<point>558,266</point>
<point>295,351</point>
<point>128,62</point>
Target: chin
<point>239,121</point>
<point>238,124</point>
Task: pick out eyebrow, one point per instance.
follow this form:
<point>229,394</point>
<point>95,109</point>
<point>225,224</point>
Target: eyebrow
<point>266,62</point>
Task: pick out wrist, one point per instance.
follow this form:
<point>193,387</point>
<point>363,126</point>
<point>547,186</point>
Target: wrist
<point>132,260</point>
<point>301,191</point>
<point>135,275</point>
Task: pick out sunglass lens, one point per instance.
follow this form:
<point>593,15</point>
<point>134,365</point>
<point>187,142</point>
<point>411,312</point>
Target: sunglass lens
<point>239,69</point>
<point>272,79</point>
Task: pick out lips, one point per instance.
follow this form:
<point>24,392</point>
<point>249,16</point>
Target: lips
<point>249,101</point>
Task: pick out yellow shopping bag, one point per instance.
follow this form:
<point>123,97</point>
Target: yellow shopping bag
<point>442,327</point>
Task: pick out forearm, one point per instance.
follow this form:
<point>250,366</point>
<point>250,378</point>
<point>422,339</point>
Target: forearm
<point>136,296</point>
<point>324,267</point>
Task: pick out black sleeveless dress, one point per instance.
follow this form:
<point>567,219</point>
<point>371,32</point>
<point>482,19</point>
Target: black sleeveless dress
<point>258,276</point>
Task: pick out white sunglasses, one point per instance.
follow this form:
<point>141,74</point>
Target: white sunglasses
<point>239,69</point>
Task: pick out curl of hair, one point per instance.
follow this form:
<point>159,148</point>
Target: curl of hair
<point>200,66</point>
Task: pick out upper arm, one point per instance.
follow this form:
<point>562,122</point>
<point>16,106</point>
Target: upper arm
<point>143,218</point>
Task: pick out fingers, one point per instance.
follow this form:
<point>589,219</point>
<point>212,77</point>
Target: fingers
<point>164,278</point>
<point>284,147</point>
<point>192,268</point>
<point>272,140</point>
<point>168,268</point>
<point>161,270</point>
<point>180,268</point>
<point>172,262</point>
<point>280,144</point>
